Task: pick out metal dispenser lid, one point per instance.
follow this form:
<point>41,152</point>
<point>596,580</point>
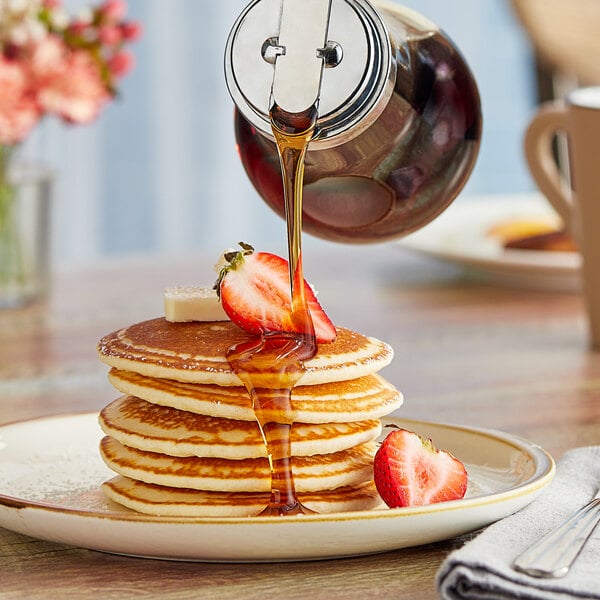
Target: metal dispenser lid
<point>298,52</point>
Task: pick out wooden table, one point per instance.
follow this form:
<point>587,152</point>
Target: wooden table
<point>466,353</point>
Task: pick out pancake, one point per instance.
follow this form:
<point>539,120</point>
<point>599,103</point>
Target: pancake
<point>362,399</point>
<point>159,500</point>
<point>196,352</point>
<point>311,473</point>
<point>153,428</point>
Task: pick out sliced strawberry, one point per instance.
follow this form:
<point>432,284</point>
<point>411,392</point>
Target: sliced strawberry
<point>254,288</point>
<point>410,471</point>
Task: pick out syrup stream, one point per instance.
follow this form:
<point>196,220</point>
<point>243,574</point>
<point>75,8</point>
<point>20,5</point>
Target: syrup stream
<point>271,365</point>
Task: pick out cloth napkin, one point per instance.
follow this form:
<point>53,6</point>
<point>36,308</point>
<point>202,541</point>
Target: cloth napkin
<point>482,570</point>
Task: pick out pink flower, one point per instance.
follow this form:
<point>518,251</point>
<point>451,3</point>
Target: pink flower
<point>46,57</point>
<point>110,35</point>
<point>77,27</point>
<point>120,64</point>
<point>69,83</point>
<point>18,109</point>
<point>76,91</point>
<point>59,66</point>
<point>131,30</point>
<point>113,10</point>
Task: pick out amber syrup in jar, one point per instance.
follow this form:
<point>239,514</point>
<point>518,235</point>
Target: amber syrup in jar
<point>399,173</point>
<point>271,365</point>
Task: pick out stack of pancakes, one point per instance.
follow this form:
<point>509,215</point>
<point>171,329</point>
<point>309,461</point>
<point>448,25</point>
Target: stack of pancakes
<point>184,439</point>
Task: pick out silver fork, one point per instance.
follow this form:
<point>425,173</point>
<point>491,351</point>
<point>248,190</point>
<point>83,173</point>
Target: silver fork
<point>553,555</point>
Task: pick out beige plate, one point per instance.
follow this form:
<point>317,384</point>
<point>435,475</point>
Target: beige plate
<point>50,473</point>
<point>459,236</point>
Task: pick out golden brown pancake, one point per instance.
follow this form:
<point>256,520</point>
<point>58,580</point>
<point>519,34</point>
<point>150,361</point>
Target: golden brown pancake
<point>196,352</point>
<point>154,428</point>
<point>159,500</point>
<point>184,440</point>
<point>362,399</point>
<point>311,473</point>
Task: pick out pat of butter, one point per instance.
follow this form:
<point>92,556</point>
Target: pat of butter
<point>189,303</point>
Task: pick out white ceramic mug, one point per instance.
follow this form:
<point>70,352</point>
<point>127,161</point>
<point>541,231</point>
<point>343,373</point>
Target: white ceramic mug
<point>579,203</point>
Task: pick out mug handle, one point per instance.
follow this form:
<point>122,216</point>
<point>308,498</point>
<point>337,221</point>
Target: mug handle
<point>551,119</point>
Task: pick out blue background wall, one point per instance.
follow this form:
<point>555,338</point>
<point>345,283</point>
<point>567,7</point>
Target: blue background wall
<point>158,171</point>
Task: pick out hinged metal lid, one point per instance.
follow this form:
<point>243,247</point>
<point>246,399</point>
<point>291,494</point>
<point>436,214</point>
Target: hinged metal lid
<point>296,52</point>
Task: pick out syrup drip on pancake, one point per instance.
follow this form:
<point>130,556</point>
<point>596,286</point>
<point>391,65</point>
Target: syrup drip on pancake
<point>280,356</point>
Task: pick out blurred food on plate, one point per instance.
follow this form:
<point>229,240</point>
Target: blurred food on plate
<point>532,233</point>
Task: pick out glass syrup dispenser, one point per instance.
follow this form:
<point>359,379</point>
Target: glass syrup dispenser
<point>399,118</point>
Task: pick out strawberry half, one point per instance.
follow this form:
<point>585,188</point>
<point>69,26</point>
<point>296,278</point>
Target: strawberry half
<point>254,288</point>
<point>410,471</point>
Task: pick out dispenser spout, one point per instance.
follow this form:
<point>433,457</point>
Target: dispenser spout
<point>281,52</point>
<point>300,52</point>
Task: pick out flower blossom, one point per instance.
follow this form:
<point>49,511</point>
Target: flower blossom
<point>53,64</point>
<point>113,10</point>
<point>19,111</point>
<point>19,22</point>
<point>69,83</point>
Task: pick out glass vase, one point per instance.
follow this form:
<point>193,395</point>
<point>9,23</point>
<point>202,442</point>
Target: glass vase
<point>25,192</point>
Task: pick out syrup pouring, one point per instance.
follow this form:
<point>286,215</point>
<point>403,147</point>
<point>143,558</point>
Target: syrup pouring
<point>392,116</point>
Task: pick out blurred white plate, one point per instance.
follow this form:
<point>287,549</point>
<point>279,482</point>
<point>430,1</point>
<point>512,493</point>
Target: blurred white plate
<point>50,476</point>
<point>459,235</point>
